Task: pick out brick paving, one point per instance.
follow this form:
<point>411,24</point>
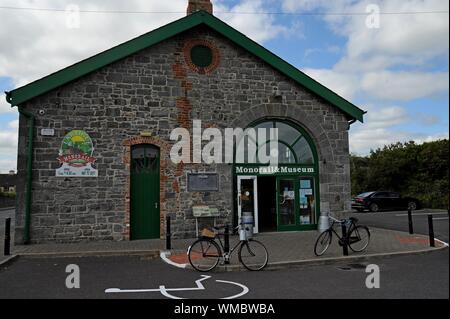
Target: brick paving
<point>282,247</point>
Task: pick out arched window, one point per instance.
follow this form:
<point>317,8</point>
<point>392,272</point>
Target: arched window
<point>293,146</point>
<point>144,158</point>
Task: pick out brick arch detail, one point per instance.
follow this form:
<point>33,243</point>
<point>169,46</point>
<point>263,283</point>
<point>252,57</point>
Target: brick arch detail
<point>164,150</point>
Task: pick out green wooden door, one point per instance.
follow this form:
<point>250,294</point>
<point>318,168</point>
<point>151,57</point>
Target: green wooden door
<point>144,217</point>
<point>296,203</point>
<point>286,203</point>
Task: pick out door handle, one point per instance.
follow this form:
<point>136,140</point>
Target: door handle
<point>156,205</point>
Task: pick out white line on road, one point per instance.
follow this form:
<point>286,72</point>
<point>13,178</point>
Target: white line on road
<point>442,242</point>
<point>165,291</point>
<point>164,256</point>
<point>420,214</point>
<point>245,290</point>
<point>197,282</point>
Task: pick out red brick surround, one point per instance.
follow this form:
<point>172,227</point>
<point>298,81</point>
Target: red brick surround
<point>164,149</point>
<point>215,56</point>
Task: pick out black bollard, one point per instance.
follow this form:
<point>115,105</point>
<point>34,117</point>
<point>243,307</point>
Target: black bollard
<point>431,230</point>
<point>7,250</point>
<point>226,245</point>
<point>168,234</point>
<point>344,239</point>
<point>410,223</point>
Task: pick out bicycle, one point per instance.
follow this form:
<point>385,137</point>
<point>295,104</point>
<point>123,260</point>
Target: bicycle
<point>358,236</point>
<point>206,252</point>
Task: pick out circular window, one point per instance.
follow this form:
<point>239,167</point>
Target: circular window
<point>202,56</point>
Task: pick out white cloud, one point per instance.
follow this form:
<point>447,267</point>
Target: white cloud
<point>14,124</point>
<point>377,130</point>
<point>344,84</point>
<point>403,42</point>
<point>308,5</point>
<point>427,119</point>
<point>5,107</point>
<point>37,43</point>
<point>382,128</point>
<point>8,142</point>
<point>404,86</point>
<point>8,145</point>
<point>431,138</point>
<point>412,36</point>
<point>259,28</point>
<point>385,117</point>
<point>7,164</point>
<point>364,140</point>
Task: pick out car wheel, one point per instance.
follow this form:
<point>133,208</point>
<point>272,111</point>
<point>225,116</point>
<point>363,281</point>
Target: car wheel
<point>412,206</point>
<point>374,208</point>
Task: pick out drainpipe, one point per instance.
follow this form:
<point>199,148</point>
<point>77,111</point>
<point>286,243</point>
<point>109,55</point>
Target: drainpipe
<point>30,119</point>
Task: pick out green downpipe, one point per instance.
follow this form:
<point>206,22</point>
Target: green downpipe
<point>30,118</point>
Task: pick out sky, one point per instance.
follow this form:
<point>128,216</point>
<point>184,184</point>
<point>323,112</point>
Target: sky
<point>393,65</point>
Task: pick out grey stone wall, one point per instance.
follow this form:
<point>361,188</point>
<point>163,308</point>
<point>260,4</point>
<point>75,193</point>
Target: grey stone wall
<point>141,93</point>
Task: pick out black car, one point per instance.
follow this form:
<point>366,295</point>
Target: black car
<point>376,201</point>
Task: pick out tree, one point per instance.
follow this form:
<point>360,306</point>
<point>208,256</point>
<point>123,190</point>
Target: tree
<point>419,171</point>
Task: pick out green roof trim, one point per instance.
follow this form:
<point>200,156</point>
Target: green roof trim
<point>75,71</point>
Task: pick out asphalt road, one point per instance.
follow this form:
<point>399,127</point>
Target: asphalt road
<point>420,276</point>
<point>398,220</point>
<point>412,276</point>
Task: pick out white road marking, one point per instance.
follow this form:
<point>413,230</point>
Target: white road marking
<point>164,257</point>
<point>245,290</point>
<point>420,214</point>
<point>165,291</point>
<point>442,242</point>
<point>197,282</point>
<point>166,294</point>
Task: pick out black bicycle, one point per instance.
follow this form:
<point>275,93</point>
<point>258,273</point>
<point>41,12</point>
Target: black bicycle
<point>206,252</point>
<point>358,236</point>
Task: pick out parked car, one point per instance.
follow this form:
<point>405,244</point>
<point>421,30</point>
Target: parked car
<point>376,201</point>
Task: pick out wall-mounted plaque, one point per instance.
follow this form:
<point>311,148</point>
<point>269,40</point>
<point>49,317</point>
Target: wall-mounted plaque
<point>205,211</point>
<point>47,132</point>
<point>75,156</point>
<point>203,182</point>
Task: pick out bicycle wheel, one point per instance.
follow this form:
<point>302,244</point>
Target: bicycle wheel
<point>204,254</point>
<point>359,238</point>
<point>253,255</point>
<point>322,243</point>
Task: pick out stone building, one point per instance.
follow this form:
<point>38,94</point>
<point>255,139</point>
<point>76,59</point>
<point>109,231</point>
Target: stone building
<point>94,139</point>
<point>8,182</point>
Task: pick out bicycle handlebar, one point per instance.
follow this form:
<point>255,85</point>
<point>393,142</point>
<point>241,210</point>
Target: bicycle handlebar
<point>342,221</point>
<point>335,220</point>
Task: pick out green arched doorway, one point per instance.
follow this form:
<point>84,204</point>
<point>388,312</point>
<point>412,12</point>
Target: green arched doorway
<point>283,198</point>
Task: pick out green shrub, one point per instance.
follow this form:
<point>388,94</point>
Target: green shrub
<point>419,171</point>
<point>10,195</point>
